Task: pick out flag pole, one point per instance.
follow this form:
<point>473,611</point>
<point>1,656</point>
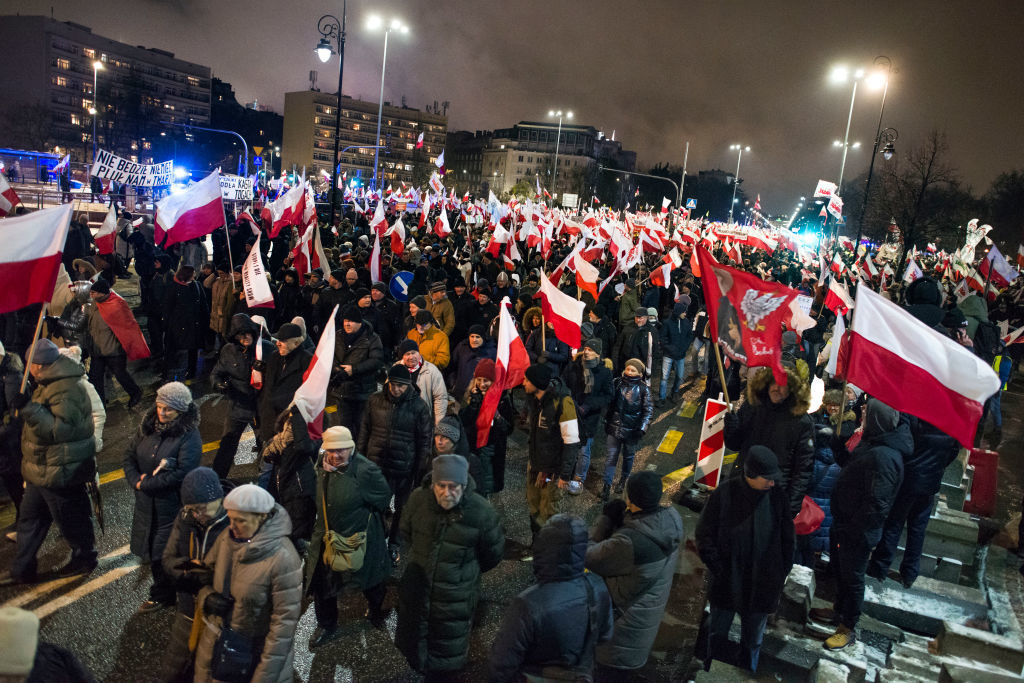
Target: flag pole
<point>721,372</point>
<point>227,240</point>
<point>32,347</point>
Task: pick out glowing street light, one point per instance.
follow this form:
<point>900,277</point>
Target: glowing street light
<point>374,23</point>
<point>736,180</point>
<point>558,138</point>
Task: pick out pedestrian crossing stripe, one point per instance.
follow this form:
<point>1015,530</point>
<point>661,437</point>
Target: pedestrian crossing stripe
<point>670,441</point>
<point>684,473</point>
<point>688,410</point>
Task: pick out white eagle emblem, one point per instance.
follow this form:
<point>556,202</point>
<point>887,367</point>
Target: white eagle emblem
<point>756,307</point>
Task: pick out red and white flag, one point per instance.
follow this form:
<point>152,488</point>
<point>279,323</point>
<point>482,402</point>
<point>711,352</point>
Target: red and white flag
<point>424,210</point>
<point>379,222</point>
<point>8,197</point>
<point>30,256</point>
<point>757,203</point>
<point>563,312</point>
<point>867,266</point>
<point>397,232</point>
<point>197,211</point>
<point>439,162</point>
<point>419,142</point>
<point>1020,256</point>
<point>665,203</point>
<point>660,276</point>
<point>118,317</point>
<point>914,369</point>
<point>441,227</point>
<point>838,299</point>
<point>835,206</point>
<point>254,279</point>
<point>286,210</point>
<point>995,268</point>
<point>311,396</point>
<point>586,275</point>
<point>246,215</point>
<point>107,234</point>
<point>912,272</point>
<point>1014,337</point>
<point>825,189</point>
<point>509,367</point>
<point>837,264</point>
<point>375,260</point>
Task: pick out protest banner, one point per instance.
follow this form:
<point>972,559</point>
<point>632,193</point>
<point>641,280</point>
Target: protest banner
<point>120,170</point>
<point>236,188</point>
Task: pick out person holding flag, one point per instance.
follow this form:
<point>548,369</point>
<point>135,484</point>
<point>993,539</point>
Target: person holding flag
<point>114,338</point>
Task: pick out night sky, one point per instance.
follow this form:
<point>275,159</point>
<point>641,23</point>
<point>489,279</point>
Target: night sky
<point>657,73</point>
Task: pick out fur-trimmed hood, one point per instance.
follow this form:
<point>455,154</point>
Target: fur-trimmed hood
<point>185,422</point>
<point>799,399</point>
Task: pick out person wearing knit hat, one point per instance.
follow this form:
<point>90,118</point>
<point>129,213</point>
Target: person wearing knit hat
<point>174,395</point>
<point>450,468</point>
<point>626,421</point>
<point>352,314</point>
<point>101,286</point>
<point>589,381</point>
<point>201,486</point>
<point>485,368</point>
<point>747,563</point>
<point>442,308</point>
<point>399,374</point>
<point>635,537</point>
<point>448,433</point>
<point>595,345</point>
<point>24,657</point>
<point>539,376</point>
<point>43,352</point>
<point>433,342</point>
<point>379,287</point>
<point>439,286</point>
<point>406,346</point>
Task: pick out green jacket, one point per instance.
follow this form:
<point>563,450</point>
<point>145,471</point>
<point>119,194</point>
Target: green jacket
<point>57,448</point>
<point>448,550</point>
<point>628,304</point>
<point>356,500</point>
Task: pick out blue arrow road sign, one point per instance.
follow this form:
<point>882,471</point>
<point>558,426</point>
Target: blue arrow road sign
<point>691,203</point>
<point>399,285</point>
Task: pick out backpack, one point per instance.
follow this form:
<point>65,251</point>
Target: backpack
<point>987,342</point>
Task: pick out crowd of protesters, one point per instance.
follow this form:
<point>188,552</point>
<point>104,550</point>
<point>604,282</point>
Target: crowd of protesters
<point>398,478</point>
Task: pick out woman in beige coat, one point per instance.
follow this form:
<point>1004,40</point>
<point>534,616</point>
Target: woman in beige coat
<point>222,300</point>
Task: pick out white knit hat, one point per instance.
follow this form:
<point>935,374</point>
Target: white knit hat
<point>19,633</point>
<point>249,498</point>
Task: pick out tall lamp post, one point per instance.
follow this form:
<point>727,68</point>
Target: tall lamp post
<point>374,23</point>
<point>736,180</point>
<point>876,79</point>
<point>329,27</point>
<point>558,138</point>
<point>94,109</point>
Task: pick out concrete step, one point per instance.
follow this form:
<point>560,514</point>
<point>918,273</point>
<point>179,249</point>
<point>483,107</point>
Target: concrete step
<point>922,608</point>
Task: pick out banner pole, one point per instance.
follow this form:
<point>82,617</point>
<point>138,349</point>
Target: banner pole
<point>32,347</point>
<point>721,373</point>
<point>227,240</point>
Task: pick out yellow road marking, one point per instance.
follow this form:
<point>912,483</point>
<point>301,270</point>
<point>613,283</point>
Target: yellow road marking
<point>684,473</point>
<point>670,441</point>
<point>688,410</point>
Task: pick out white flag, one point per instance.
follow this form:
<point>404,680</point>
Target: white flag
<point>254,279</point>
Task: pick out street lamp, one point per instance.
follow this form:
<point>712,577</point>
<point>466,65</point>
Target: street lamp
<point>558,138</point>
<point>736,180</point>
<point>94,109</point>
<point>841,74</point>
<point>374,23</point>
<point>878,78</point>
<point>329,27</point>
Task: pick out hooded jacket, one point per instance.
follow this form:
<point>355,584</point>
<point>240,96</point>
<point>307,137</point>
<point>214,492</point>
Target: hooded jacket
<point>57,446</point>
<point>448,550</point>
<point>234,365</point>
<point>548,624</point>
<point>637,562</point>
<point>157,500</point>
<point>266,583</point>
<point>868,483</point>
<point>396,434</point>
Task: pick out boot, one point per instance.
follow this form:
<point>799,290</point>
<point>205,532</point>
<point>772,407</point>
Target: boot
<point>606,492</point>
<point>841,638</point>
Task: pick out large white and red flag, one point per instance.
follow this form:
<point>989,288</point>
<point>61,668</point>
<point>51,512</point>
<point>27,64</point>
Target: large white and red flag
<point>995,268</point>
<point>107,234</point>
<point>379,222</point>
<point>439,162</point>
<point>510,365</point>
<point>246,215</point>
<point>118,316</point>
<point>30,256</point>
<point>915,369</point>
<point>8,197</point>
<point>286,210</point>
<point>587,275</point>
<point>419,141</point>
<point>311,396</point>
<point>838,298</point>
<point>197,211</point>
<point>254,279</point>
<point>563,312</point>
<point>441,227</point>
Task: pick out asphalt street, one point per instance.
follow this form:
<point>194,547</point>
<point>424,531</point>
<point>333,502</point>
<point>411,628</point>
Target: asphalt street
<point>95,616</point>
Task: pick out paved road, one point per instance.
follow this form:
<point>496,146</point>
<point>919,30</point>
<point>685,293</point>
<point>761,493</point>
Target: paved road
<point>96,618</point>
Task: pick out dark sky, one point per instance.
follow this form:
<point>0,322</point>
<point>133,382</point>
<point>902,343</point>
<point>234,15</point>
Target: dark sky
<point>658,73</point>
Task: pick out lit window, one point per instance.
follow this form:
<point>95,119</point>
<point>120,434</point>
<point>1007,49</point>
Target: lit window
<point>63,64</point>
<point>409,145</point>
<point>89,53</point>
<point>76,120</point>
<point>60,81</point>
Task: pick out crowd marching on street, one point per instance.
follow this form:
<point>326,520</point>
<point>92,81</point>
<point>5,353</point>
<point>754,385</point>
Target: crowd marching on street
<point>435,334</point>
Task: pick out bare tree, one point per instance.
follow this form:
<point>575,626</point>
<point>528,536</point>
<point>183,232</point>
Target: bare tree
<point>28,126</point>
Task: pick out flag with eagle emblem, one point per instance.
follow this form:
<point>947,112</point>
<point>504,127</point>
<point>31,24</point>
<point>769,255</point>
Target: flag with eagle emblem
<point>747,314</point>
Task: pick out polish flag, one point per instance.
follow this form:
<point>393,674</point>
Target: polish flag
<point>562,311</point>
<point>8,197</point>
<point>247,216</point>
<point>1020,249</point>
<point>254,279</point>
<point>586,276</point>
<point>379,222</point>
<point>286,210</point>
<point>912,272</point>
<point>424,210</point>
<point>509,367</point>
<point>665,202</point>
<point>107,233</point>
<point>375,260</point>
<point>397,232</point>
<point>867,266</point>
<point>439,162</point>
<point>837,264</point>
<point>838,298</point>
<point>441,227</point>
<point>915,369</point>
<point>419,142</point>
<point>311,397</point>
<point>197,211</point>
<point>30,256</point>
<point>757,203</point>
<point>118,317</point>
<point>660,275</point>
<point>996,269</point>
<point>1014,337</point>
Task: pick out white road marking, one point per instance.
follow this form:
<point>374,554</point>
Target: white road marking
<point>83,590</point>
<point>44,588</point>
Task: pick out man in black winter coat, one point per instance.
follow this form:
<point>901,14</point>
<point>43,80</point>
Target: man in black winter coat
<point>396,434</point>
<point>745,537</point>
<point>233,377</point>
<point>552,627</point>
<point>933,452</point>
<point>589,381</point>
<point>282,375</point>
<point>676,337</point>
<point>358,357</point>
<point>861,501</point>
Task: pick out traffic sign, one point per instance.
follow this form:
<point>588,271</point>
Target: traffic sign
<point>257,161</point>
<point>399,285</point>
<point>691,203</point>
<point>257,150</point>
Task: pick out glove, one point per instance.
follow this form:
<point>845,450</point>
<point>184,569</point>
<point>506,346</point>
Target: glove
<point>615,511</point>
<point>222,385</point>
<point>542,357</point>
<point>259,365</point>
<point>218,605</point>
<point>20,400</point>
<point>195,578</point>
